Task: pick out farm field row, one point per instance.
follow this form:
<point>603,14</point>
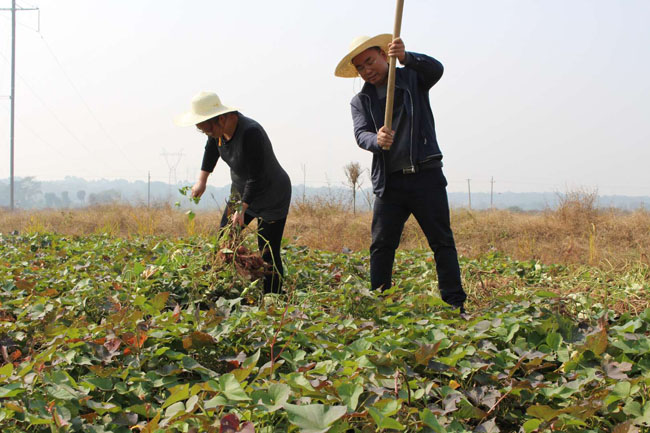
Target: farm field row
<point>152,334</point>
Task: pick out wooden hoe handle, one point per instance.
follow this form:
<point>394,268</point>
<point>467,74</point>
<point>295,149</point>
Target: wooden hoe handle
<point>390,91</point>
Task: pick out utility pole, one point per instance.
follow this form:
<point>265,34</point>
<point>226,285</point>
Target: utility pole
<point>13,96</point>
<point>491,192</point>
<point>469,194</point>
<point>304,180</point>
<point>148,190</point>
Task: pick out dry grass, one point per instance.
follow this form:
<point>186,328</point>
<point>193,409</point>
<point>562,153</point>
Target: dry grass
<point>576,233</point>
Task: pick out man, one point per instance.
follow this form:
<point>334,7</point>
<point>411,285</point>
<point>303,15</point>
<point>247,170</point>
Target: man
<point>407,173</point>
<point>260,187</point>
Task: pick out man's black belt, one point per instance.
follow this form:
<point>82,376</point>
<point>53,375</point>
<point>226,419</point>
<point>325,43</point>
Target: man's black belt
<point>423,166</point>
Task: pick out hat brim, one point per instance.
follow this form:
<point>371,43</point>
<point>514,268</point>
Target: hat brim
<point>346,69</point>
<point>190,118</point>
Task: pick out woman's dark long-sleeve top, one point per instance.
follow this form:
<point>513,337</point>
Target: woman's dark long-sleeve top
<point>257,177</point>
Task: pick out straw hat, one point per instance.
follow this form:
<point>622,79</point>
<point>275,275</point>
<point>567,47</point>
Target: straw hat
<point>345,68</point>
<point>205,105</point>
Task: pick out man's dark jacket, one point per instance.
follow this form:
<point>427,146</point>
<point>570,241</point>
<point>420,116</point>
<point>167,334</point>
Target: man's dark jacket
<point>420,73</point>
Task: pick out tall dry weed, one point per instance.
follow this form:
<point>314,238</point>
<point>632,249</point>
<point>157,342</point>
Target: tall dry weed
<point>577,232</point>
<point>578,208</point>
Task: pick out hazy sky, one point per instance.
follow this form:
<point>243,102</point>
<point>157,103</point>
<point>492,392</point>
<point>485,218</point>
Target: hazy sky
<point>542,95</point>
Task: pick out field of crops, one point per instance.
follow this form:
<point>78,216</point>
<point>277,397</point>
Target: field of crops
<point>150,334</point>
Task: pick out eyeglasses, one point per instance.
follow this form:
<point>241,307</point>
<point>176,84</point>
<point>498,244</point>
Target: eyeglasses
<point>367,64</point>
<point>203,127</point>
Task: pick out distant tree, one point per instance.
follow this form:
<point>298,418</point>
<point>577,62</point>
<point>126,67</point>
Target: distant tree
<point>65,199</point>
<point>81,195</point>
<point>105,197</point>
<point>368,193</point>
<point>4,194</point>
<point>51,200</point>
<point>353,173</point>
<point>27,191</point>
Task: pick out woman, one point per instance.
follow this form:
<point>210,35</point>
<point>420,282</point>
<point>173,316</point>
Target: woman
<point>260,187</point>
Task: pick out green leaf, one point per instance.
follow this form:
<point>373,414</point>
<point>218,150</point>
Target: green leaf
<point>314,418</point>
<point>159,301</point>
<point>62,392</point>
<point>178,393</point>
<point>247,367</point>
<point>467,410</point>
<point>273,398</point>
<point>191,403</point>
<point>488,426</point>
<point>152,425</point>
<point>299,381</point>
<point>645,416</point>
<point>11,390</point>
<point>138,268</point>
<point>383,421</point>
<point>554,340</point>
<point>544,412</point>
<point>141,409</point>
<point>512,331</point>
<point>532,425</point>
<point>103,383</point>
<point>349,393</point>
<point>545,294</point>
<point>216,401</point>
<point>388,406</point>
<point>430,420</point>
<point>622,389</point>
<point>633,409</point>
<point>231,388</point>
<point>175,409</point>
<point>34,420</point>
<point>7,369</point>
<point>102,408</point>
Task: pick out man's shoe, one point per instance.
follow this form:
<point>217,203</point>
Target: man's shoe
<point>459,307</point>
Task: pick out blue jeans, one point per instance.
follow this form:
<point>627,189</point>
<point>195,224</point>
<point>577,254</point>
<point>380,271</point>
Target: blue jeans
<point>423,195</point>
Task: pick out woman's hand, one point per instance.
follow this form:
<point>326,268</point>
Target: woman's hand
<point>238,219</point>
<point>238,216</point>
<point>198,189</point>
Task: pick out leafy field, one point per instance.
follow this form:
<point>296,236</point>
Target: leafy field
<point>103,334</point>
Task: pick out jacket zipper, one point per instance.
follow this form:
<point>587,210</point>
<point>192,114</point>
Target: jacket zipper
<point>412,116</point>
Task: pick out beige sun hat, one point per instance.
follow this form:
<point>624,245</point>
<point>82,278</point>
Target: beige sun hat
<point>345,68</point>
<point>205,105</point>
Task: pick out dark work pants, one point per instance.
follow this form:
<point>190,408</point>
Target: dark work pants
<point>424,195</point>
<point>269,241</point>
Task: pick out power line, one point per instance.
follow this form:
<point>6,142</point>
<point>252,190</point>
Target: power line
<point>53,114</point>
<point>59,121</point>
<point>47,144</point>
<point>90,111</point>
